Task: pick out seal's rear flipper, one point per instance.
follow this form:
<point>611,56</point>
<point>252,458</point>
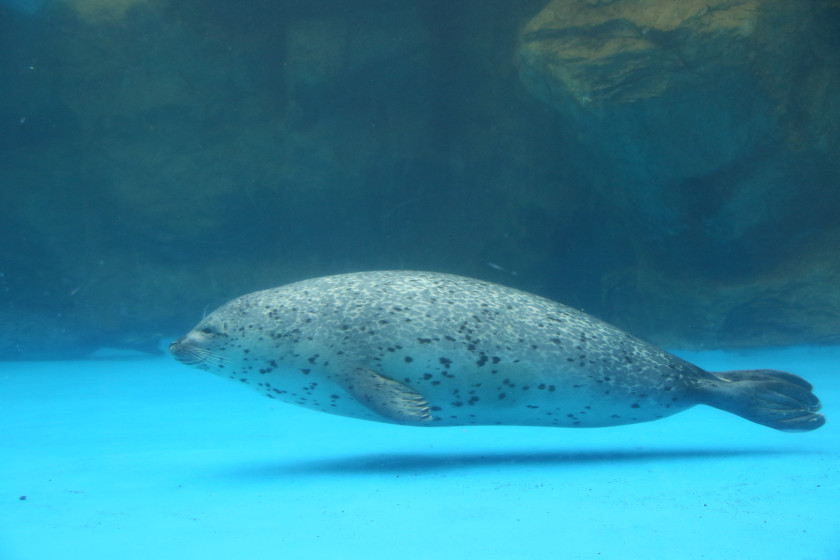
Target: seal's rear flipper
<point>776,399</point>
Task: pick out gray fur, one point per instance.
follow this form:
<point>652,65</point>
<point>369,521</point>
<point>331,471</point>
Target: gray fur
<point>423,348</point>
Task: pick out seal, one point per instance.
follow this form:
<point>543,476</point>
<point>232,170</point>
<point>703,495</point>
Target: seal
<point>430,349</point>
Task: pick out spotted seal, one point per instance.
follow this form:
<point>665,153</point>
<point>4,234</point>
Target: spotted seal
<point>429,349</point>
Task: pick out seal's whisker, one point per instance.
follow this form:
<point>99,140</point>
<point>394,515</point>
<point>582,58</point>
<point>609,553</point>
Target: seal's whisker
<point>195,355</point>
<point>206,356</point>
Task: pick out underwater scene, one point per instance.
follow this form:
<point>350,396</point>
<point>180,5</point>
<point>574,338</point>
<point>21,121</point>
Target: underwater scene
<point>251,253</point>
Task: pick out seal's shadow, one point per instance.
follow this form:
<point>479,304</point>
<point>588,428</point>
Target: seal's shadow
<point>416,463</point>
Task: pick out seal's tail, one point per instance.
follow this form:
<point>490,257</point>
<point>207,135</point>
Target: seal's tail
<point>776,399</point>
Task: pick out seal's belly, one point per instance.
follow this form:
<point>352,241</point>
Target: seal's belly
<point>511,387</point>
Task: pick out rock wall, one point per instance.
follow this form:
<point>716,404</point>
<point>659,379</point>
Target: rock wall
<point>671,167</point>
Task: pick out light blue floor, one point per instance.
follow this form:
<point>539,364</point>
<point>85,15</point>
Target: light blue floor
<point>149,459</point>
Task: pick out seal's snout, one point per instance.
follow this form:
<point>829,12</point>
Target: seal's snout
<point>176,349</point>
<point>186,352</point>
<point>173,348</point>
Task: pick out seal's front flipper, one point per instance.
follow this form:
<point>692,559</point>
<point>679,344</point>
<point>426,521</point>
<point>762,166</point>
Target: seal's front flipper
<point>390,399</point>
<point>776,399</point>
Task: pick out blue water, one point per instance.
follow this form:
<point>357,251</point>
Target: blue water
<point>24,6</point>
<point>145,458</point>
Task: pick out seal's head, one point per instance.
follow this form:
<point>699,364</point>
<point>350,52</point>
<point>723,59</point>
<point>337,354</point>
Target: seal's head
<point>199,347</point>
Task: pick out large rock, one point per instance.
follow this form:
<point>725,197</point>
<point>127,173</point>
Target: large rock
<point>623,51</point>
<point>710,130</point>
